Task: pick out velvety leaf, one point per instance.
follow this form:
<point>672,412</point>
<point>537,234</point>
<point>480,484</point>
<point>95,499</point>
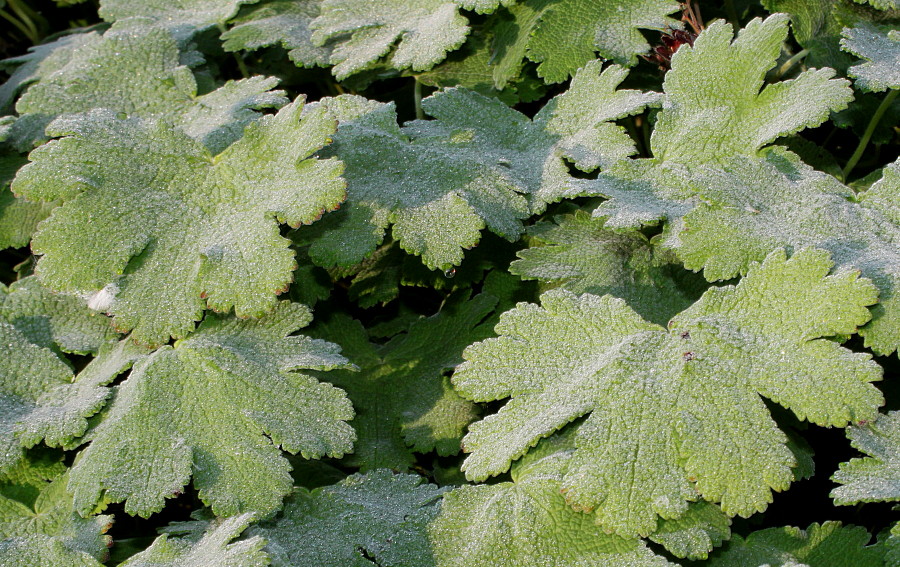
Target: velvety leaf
<point>478,164</point>
<point>420,32</point>
<point>826,545</point>
<point>575,356</point>
<point>752,205</point>
<point>213,548</point>
<point>40,397</point>
<point>527,522</point>
<point>881,50</point>
<point>153,229</point>
<point>140,70</point>
<point>18,217</point>
<point>379,518</point>
<point>42,551</point>
<point>42,61</point>
<point>874,478</point>
<point>217,406</point>
<point>694,534</point>
<point>474,65</point>
<point>714,108</point>
<point>50,524</point>
<point>578,253</point>
<point>279,22</point>
<point>58,322</point>
<point>185,16</point>
<point>563,35</point>
<point>403,402</point>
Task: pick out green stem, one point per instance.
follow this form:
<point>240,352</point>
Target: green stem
<point>789,64</point>
<point>732,14</point>
<point>21,27</point>
<point>417,97</point>
<point>867,135</point>
<point>242,67</point>
<point>27,16</point>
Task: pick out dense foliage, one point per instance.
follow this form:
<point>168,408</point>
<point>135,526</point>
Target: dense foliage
<point>435,283</point>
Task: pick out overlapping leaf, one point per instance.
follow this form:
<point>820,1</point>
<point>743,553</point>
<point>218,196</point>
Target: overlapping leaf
<point>420,32</point>
<point>695,533</point>
<point>137,69</point>
<point>46,530</point>
<point>474,66</point>
<point>365,520</point>
<point>881,4</point>
<point>752,205</point>
<point>42,61</point>
<point>279,22</point>
<point>713,109</point>
<point>881,49</point>
<point>563,35</point>
<point>527,522</point>
<point>875,478</point>
<point>817,26</point>
<point>728,197</point>
<point>687,400</point>
<point>209,548</point>
<point>40,397</point>
<point>216,407</point>
<point>153,229</point>
<point>402,401</point>
<point>18,217</point>
<point>478,164</point>
<point>826,545</point>
<point>185,17</point>
<point>581,255</point>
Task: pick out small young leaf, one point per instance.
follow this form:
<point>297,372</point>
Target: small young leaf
<point>875,478</point>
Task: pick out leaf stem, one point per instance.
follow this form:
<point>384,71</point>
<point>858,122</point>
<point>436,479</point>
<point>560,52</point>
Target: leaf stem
<point>25,14</point>
<point>242,67</point>
<point>732,14</point>
<point>867,135</point>
<point>27,19</point>
<point>789,64</point>
<point>19,25</point>
<point>417,97</point>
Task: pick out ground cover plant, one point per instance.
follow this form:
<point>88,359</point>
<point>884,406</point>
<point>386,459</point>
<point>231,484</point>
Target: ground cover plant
<point>438,283</point>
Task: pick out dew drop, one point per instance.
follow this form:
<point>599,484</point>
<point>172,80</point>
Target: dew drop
<point>450,273</point>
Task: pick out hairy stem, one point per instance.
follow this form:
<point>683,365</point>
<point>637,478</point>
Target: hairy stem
<point>19,25</point>
<point>242,67</point>
<point>867,135</point>
<point>417,97</point>
<point>789,64</point>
